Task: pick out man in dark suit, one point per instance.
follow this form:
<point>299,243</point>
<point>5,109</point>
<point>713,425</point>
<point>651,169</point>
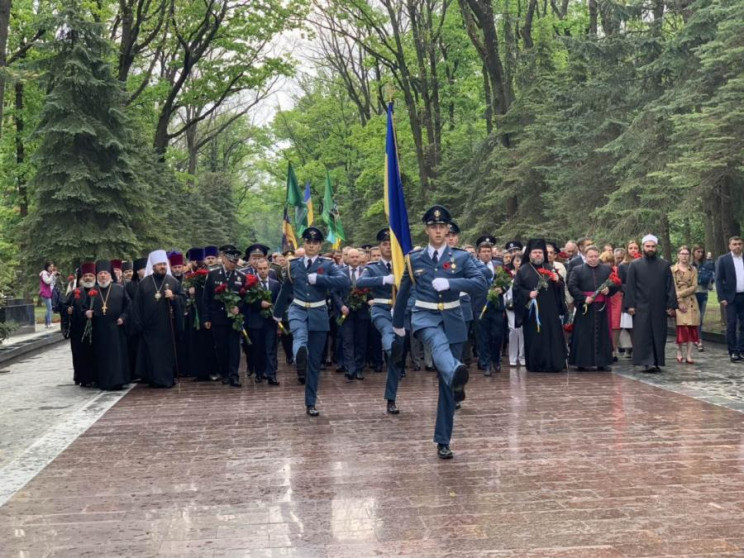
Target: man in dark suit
<point>262,328</point>
<point>580,258</point>
<point>730,289</point>
<point>355,320</point>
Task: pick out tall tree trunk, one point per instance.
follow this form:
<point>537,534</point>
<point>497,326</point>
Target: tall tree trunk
<point>666,237</point>
<point>593,17</point>
<point>192,148</point>
<point>20,151</point>
<point>709,225</point>
<point>488,115</point>
<point>4,27</point>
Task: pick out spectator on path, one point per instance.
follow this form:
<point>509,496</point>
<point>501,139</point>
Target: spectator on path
<point>730,289</point>
<point>706,269</point>
<point>47,282</point>
<point>688,314</point>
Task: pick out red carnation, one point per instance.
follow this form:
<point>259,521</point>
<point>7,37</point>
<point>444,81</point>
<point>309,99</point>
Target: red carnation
<point>243,291</point>
<point>320,271</point>
<point>70,278</point>
<point>92,292</point>
<point>562,255</point>
<point>201,272</point>
<point>568,328</point>
<point>77,294</point>
<point>637,256</point>
<point>251,281</point>
<point>447,265</point>
<point>616,279</point>
<point>547,273</point>
<point>219,289</point>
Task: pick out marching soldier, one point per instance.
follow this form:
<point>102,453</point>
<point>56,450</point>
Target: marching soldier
<point>440,273</point>
<point>308,280</point>
<point>226,337</point>
<point>378,276</point>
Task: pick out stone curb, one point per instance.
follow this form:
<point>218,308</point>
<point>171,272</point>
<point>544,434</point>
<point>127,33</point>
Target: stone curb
<point>18,350</point>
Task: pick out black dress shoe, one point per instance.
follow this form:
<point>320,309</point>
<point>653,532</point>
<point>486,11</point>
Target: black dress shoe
<point>236,383</point>
<point>349,377</point>
<point>359,375</point>
<point>258,379</point>
<point>481,367</point>
<point>459,379</point>
<point>604,369</point>
<point>377,369</point>
<point>392,409</point>
<point>736,357</point>
<point>416,368</point>
<point>496,367</point>
<point>444,451</point>
<point>340,369</point>
<point>225,381</point>
<point>458,406</point>
<point>290,361</point>
<point>488,371</point>
<point>312,411</point>
<point>273,382</point>
<point>328,363</point>
<point>301,364</point>
<point>581,368</point>
<point>429,368</point>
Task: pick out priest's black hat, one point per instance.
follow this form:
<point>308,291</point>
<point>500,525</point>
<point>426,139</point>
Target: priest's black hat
<point>103,265</point>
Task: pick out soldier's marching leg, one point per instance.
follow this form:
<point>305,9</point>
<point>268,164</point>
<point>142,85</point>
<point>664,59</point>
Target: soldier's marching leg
<point>315,353</point>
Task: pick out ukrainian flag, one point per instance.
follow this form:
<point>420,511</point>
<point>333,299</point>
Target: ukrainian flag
<point>289,240</point>
<point>309,204</point>
<point>395,203</point>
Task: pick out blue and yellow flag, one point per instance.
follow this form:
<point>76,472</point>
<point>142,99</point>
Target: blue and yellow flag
<point>395,202</point>
<point>308,204</point>
<point>289,241</point>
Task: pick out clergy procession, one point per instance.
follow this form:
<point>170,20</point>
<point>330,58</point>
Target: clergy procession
<point>221,314</point>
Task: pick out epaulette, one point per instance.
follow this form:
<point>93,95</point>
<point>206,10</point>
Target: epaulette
<point>409,266</point>
<point>458,249</point>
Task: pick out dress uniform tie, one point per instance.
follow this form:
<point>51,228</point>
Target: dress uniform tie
<point>390,268</point>
<point>435,257</point>
<point>309,263</point>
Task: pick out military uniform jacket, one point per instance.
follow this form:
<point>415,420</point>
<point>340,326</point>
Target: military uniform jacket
<point>296,285</point>
<point>454,265</point>
<point>214,310</point>
<point>372,279</point>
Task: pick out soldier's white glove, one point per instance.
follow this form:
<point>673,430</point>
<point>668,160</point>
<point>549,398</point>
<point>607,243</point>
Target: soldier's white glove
<point>399,331</point>
<point>388,280</point>
<point>312,278</point>
<point>440,284</point>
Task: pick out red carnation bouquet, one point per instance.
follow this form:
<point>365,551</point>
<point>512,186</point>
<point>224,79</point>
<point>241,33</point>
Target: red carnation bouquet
<point>356,300</point>
<point>545,277</point>
<point>252,293</point>
<point>196,279</point>
<point>612,280</point>
<point>77,293</point>
<point>88,330</point>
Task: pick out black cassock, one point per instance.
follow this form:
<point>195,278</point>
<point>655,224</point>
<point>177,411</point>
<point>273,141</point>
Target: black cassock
<point>109,338</point>
<point>200,350</point>
<point>158,322</point>
<point>591,344</point>
<point>83,360</point>
<point>132,336</point>
<point>649,289</point>
<point>545,350</point>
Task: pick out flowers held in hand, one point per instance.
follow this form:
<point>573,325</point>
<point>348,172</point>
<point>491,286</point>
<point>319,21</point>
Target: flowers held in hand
<point>196,279</point>
<point>230,300</point>
<point>78,294</point>
<point>252,292</point>
<point>544,278</point>
<point>88,330</point>
<point>502,281</point>
<point>612,280</point>
<point>356,300</point>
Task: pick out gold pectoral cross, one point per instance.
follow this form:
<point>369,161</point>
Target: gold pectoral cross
<point>104,308</point>
<point>158,295</point>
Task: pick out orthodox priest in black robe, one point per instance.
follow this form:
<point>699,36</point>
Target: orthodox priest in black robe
<point>201,362</point>
<point>157,311</point>
<point>109,313</point>
<point>649,297</point>
<point>591,344</point>
<point>130,286</point>
<point>538,306</point>
<point>83,359</point>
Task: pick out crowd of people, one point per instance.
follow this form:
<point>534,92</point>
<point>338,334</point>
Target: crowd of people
<point>171,316</point>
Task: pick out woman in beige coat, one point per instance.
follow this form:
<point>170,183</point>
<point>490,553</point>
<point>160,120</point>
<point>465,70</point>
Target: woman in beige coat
<point>688,314</point>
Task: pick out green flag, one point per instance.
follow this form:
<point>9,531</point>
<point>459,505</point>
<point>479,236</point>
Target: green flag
<point>330,214</point>
<point>296,199</point>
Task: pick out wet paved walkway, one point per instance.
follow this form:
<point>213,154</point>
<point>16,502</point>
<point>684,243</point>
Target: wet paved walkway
<point>591,465</point>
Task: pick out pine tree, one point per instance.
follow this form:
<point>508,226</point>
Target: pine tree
<point>87,192</point>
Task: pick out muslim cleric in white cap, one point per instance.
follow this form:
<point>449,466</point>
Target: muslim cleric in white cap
<point>649,238</point>
<point>157,317</point>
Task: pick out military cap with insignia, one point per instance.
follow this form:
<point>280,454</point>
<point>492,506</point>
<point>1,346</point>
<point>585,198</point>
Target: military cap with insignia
<point>230,252</point>
<point>313,234</point>
<point>256,249</point>
<point>366,247</point>
<point>211,251</point>
<point>454,228</point>
<point>485,240</point>
<point>383,235</point>
<point>289,252</point>
<point>513,245</point>
<point>437,214</point>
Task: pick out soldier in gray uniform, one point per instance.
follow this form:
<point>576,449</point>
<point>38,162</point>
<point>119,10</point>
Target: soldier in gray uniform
<point>440,274</point>
<point>378,276</point>
<point>308,280</point>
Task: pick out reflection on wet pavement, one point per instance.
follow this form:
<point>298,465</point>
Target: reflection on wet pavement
<point>593,465</point>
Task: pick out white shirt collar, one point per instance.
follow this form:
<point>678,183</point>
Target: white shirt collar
<point>735,256</point>
<point>430,249</point>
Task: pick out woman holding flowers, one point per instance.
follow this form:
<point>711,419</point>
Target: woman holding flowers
<point>592,285</point>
